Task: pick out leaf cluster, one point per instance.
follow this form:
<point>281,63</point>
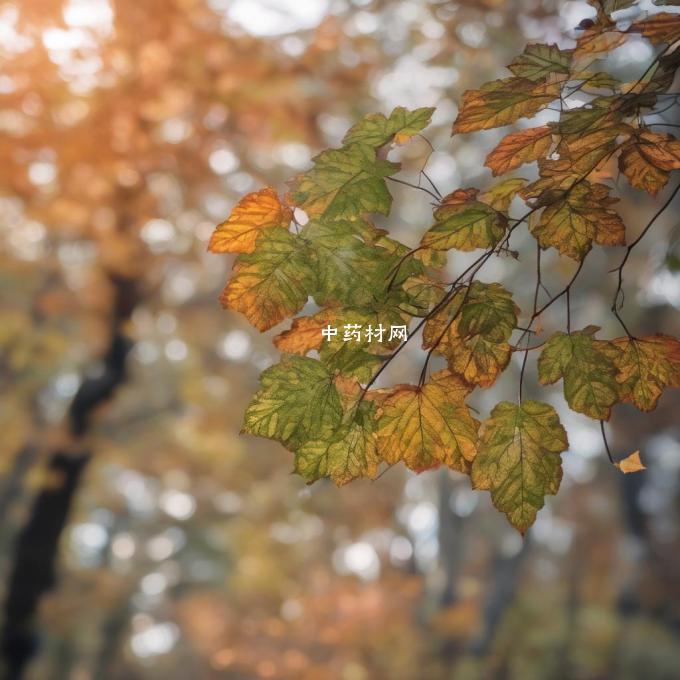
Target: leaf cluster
<point>317,251</point>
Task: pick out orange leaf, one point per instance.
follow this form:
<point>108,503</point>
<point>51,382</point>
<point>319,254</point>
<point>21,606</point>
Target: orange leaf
<point>253,213</point>
<point>631,464</point>
<point>305,334</point>
<point>519,148</point>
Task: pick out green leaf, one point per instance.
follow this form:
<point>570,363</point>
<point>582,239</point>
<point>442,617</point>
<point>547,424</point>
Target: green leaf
<point>466,227</point>
<point>538,61</point>
<point>489,310</point>
<point>347,270</point>
<point>585,365</point>
<point>376,130</point>
<point>298,402</point>
<point>349,453</point>
<point>271,283</point>
<point>519,459</point>
<point>344,184</point>
<point>474,338</point>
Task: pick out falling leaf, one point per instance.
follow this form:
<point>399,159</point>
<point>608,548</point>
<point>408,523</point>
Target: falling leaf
<point>631,463</point>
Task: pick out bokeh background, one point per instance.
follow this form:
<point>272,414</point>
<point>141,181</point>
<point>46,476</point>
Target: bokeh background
<point>128,129</point>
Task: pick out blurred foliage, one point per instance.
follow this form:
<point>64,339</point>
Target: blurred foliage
<point>128,129</point>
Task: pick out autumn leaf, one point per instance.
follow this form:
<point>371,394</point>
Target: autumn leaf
<point>519,459</point>
<point>502,102</point>
<point>631,463</point>
<point>271,283</point>
<point>376,130</point>
<point>253,213</point>
<point>647,160</point>
<point>305,334</point>
<point>471,332</point>
<point>465,226</point>
<point>500,195</point>
<point>488,310</point>
<point>518,148</point>
<point>360,358</point>
<point>596,41</point>
<point>350,452</point>
<point>584,363</point>
<point>478,360</point>
<point>298,402</point>
<point>538,61</point>
<point>344,184</point>
<point>659,28</point>
<point>429,425</point>
<point>584,215</point>
<point>646,366</point>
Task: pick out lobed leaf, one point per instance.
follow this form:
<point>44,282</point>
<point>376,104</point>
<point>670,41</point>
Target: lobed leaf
<point>646,367</point>
<point>254,213</point>
<point>350,452</point>
<point>502,102</point>
<point>429,425</point>
<point>539,61</point>
<point>271,283</point>
<point>466,227</point>
<point>584,215</point>
<point>519,459</point>
<point>298,402</point>
<point>376,130</point>
<point>518,148</point>
<point>584,363</point>
<point>344,184</point>
<point>647,160</point>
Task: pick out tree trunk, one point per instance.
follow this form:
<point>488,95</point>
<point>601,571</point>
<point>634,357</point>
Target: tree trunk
<point>33,571</point>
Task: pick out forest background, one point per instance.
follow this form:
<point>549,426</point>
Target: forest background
<point>128,130</point>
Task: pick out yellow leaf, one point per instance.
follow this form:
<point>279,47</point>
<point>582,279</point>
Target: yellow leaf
<point>631,464</point>
<point>253,213</point>
<point>429,425</point>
